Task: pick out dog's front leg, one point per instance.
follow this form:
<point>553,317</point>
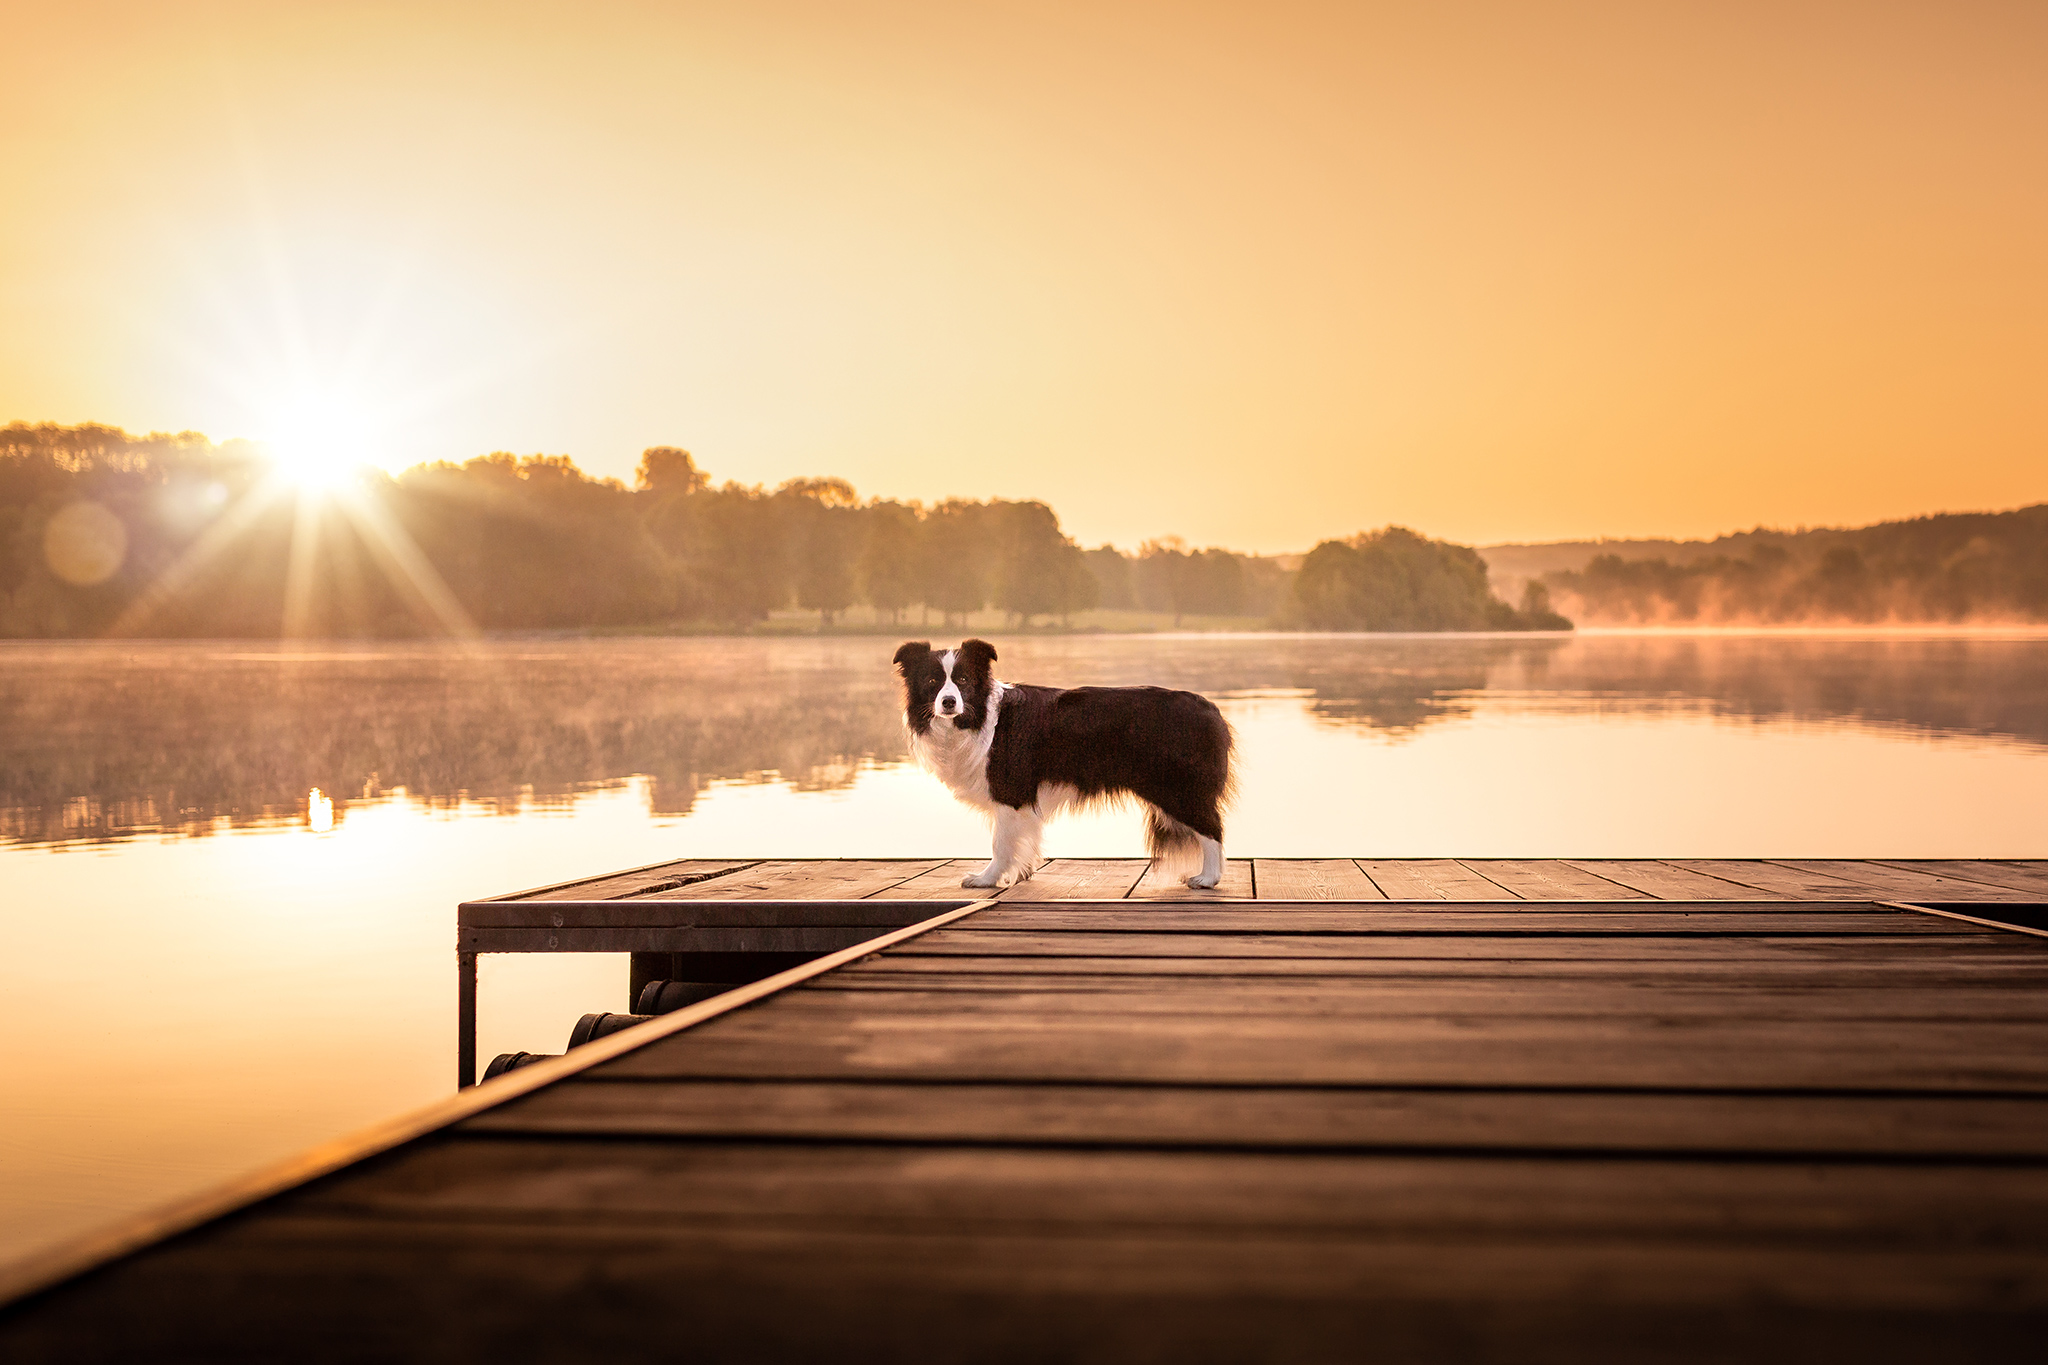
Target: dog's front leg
<point>1015,856</point>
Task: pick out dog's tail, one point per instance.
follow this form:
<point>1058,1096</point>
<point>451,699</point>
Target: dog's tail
<point>1172,844</point>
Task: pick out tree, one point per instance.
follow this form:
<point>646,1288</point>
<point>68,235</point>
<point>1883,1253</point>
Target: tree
<point>669,471</point>
<point>1077,588</point>
<point>1208,582</point>
<point>823,530</point>
<point>1111,568</point>
<point>888,570</point>
<point>953,561</point>
<point>740,556</point>
<point>1394,579</point>
<point>1032,578</point>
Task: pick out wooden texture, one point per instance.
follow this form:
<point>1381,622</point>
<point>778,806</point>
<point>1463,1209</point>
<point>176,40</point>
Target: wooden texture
<point>1547,879</point>
<point>1538,960</point>
<point>1666,881</point>
<point>1079,879</point>
<point>1783,882</point>
<point>940,883</point>
<point>2030,879</point>
<point>1284,1118</point>
<point>1312,879</point>
<point>829,879</point>
<point>1762,882</point>
<point>1159,885</point>
<point>639,882</point>
<point>1635,917</point>
<point>1900,883</point>
<point>673,914</point>
<point>1642,946</point>
<point>1669,1123</point>
<point>1426,879</point>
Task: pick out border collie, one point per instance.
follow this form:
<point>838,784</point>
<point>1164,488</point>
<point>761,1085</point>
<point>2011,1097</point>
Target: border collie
<point>1022,754</point>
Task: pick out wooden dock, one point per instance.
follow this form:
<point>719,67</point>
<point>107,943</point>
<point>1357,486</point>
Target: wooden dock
<point>1337,1109</point>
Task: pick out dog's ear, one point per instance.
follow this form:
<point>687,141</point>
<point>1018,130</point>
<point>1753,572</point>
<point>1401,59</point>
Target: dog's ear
<point>980,652</point>
<point>910,653</point>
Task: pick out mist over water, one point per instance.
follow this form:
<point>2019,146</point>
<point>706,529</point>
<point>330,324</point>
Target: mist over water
<point>109,741</point>
<point>228,870</point>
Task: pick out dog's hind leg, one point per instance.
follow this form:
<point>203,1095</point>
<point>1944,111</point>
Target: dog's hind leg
<point>1015,856</point>
<point>1212,864</point>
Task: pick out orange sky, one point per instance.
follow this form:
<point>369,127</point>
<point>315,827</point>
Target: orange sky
<point>1255,274</point>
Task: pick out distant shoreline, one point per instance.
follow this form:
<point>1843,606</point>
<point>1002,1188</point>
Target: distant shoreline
<point>2016,631</point>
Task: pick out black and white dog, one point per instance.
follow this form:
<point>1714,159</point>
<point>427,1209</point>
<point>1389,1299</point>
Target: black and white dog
<point>1023,754</point>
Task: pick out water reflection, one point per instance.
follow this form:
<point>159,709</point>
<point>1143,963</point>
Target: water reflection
<point>103,741</point>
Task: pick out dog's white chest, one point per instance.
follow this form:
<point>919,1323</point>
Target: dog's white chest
<point>959,758</point>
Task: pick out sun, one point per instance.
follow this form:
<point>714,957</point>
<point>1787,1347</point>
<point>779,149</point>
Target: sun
<point>320,435</point>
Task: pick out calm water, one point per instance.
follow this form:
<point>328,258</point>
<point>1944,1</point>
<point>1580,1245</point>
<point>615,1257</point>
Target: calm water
<point>228,871</point>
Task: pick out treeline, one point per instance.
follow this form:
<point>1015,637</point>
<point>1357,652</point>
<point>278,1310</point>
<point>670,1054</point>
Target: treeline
<point>103,533</point>
<point>1948,569</point>
<point>1394,579</point>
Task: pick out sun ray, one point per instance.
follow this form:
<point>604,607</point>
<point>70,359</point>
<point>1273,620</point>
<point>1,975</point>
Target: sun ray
<point>397,551</point>
<point>214,541</point>
<point>298,578</point>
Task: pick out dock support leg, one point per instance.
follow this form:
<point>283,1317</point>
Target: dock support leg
<point>465,1020</point>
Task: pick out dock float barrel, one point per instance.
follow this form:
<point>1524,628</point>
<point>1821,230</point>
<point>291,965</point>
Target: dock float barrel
<point>591,1027</point>
<point>512,1061</point>
<point>662,997</point>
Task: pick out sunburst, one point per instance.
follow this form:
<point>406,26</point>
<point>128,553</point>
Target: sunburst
<point>322,433</point>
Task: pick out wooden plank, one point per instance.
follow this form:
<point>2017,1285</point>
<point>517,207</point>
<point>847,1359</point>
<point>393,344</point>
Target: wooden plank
<point>1267,918</point>
<point>637,881</point>
<point>1540,879</point>
<point>821,879</point>
<point>1666,880</point>
<point>1463,997</point>
<point>1894,883</point>
<point>679,914</point>
<point>659,939</point>
<point>1538,959</point>
<point>639,1185</point>
<point>1149,1291</point>
<point>2030,879</point>
<point>1789,882</point>
<point>1079,879</point>
<point>1312,879</point>
<point>1158,885</point>
<point>1427,879</point>
<point>902,1284</point>
<point>1101,1256</point>
<point>1979,944</point>
<point>1452,912</point>
<point>940,883</point>
<point>1724,1054</point>
<point>1954,1128</point>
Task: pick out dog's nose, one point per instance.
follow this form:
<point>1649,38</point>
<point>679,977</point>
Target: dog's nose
<point>947,704</point>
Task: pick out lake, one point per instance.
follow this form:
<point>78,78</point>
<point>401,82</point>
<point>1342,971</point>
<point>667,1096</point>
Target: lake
<point>229,869</point>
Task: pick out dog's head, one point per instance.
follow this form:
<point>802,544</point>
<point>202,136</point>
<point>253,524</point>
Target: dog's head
<point>950,687</point>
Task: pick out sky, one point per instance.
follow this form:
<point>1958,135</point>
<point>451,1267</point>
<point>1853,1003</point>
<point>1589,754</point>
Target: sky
<point>1254,274</point>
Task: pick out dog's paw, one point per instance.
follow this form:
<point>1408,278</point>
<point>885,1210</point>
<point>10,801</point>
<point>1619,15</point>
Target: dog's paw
<point>1200,883</point>
<point>980,883</point>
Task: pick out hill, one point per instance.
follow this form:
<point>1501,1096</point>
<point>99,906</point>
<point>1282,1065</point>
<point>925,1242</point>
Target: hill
<point>1951,568</point>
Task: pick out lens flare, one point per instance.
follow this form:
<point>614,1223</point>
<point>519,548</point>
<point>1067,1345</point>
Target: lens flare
<point>84,544</point>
